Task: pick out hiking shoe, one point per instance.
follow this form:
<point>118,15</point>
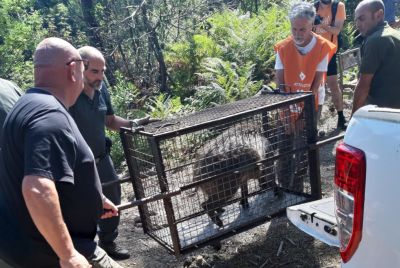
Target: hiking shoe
<point>115,251</point>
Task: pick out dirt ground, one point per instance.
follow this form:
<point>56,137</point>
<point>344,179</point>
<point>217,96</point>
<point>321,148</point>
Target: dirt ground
<point>274,244</point>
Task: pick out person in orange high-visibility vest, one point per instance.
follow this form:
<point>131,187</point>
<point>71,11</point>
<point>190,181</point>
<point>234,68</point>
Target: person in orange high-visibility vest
<point>302,58</point>
<point>301,65</point>
<point>331,15</point>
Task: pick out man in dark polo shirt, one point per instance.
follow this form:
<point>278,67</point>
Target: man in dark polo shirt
<point>9,94</point>
<point>379,81</point>
<point>92,113</point>
<point>50,194</point>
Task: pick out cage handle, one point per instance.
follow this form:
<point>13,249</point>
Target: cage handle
<point>146,200</point>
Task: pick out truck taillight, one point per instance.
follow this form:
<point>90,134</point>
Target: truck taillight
<point>349,197</point>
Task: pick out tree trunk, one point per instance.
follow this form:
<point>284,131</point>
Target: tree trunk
<point>155,45</point>
<point>95,38</point>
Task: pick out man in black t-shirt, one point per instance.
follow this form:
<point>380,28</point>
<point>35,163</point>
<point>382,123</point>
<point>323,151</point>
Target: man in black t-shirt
<point>50,194</point>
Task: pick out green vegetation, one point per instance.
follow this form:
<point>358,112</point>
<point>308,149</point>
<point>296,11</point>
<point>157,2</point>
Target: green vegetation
<point>164,58</point>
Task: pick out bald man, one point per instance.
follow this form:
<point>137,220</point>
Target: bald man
<point>50,194</point>
<point>379,81</point>
<point>93,112</point>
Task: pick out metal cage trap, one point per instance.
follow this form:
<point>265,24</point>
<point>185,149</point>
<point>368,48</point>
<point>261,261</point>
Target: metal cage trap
<point>206,176</point>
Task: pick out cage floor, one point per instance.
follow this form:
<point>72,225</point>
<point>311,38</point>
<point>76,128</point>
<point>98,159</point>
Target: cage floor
<point>198,229</point>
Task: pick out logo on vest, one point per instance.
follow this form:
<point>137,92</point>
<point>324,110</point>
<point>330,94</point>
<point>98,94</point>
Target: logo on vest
<point>302,76</point>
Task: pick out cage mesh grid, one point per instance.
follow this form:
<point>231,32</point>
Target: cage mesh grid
<point>234,165</point>
<point>222,111</point>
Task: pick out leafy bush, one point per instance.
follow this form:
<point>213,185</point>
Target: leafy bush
<point>183,59</point>
<point>220,76</point>
<point>350,8</point>
<point>125,100</point>
<point>125,97</point>
<point>163,106</point>
<point>20,31</point>
<point>232,51</point>
<point>245,39</point>
<point>349,36</point>
<point>207,96</point>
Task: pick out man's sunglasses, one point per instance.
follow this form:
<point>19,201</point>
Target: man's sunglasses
<point>85,63</point>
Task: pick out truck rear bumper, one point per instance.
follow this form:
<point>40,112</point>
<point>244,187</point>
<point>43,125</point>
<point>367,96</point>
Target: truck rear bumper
<point>317,219</point>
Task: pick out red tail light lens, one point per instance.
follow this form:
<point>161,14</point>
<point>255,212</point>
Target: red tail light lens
<point>349,197</point>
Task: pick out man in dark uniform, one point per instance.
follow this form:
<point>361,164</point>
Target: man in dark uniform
<point>50,194</point>
<point>380,58</point>
<point>92,113</point>
<point>9,94</point>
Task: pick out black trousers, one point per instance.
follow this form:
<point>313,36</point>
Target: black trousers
<point>108,228</point>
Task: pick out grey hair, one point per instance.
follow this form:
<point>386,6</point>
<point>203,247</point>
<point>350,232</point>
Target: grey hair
<point>302,10</point>
<point>89,53</point>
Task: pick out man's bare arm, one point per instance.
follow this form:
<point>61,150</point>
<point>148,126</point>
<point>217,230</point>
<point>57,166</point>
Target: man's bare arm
<point>41,199</point>
<point>335,30</point>
<point>115,122</point>
<point>319,76</point>
<point>361,92</point>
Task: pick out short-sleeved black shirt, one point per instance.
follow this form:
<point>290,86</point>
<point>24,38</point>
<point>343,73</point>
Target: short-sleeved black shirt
<point>41,138</point>
<point>90,115</point>
<point>381,57</point>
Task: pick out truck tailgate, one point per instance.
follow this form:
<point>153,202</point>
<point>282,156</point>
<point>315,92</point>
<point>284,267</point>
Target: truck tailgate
<point>317,219</point>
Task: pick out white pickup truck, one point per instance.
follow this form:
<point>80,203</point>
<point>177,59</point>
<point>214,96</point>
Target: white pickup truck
<point>361,218</point>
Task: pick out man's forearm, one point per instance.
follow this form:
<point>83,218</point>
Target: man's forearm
<point>318,79</point>
<point>360,97</point>
<point>362,90</point>
<point>335,30</point>
<point>332,29</point>
<point>41,199</point>
<point>115,122</point>
<point>314,88</point>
